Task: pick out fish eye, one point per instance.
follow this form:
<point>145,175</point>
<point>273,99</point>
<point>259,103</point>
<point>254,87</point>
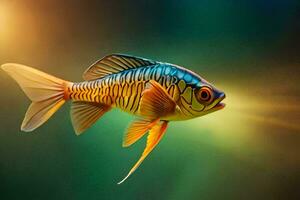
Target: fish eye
<point>205,95</point>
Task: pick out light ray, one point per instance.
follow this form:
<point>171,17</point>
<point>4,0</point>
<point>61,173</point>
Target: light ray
<point>273,121</point>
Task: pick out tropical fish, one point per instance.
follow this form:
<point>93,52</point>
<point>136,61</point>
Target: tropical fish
<point>155,92</point>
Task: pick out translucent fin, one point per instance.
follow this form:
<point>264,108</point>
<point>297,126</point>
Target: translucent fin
<point>45,91</point>
<point>85,114</point>
<point>153,139</point>
<point>156,102</point>
<point>137,129</point>
<point>113,64</point>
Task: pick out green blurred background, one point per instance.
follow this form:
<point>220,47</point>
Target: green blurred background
<point>249,150</point>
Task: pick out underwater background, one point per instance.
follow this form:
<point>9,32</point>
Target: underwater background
<point>249,150</point>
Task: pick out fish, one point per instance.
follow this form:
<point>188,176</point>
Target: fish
<point>154,92</point>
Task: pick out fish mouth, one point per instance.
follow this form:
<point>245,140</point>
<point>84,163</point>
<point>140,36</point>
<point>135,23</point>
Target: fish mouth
<point>219,105</point>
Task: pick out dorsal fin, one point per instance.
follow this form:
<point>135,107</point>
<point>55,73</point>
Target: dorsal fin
<point>114,63</point>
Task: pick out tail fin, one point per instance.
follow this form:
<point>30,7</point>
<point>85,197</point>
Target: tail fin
<point>46,92</point>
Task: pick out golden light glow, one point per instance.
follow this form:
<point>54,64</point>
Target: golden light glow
<point>6,22</point>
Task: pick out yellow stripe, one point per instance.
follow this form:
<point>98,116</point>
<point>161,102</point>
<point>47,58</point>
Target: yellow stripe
<point>187,95</point>
<point>116,89</point>
<point>181,85</point>
<point>125,88</point>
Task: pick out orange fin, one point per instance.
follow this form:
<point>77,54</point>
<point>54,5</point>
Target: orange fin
<point>84,114</point>
<point>153,139</point>
<point>137,129</point>
<point>46,92</point>
<point>156,102</point>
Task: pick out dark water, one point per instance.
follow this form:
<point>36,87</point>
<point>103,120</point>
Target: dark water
<point>249,150</point>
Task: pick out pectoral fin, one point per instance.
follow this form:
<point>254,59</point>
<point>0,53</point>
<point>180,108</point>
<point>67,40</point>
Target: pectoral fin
<point>137,129</point>
<point>153,139</point>
<point>156,102</point>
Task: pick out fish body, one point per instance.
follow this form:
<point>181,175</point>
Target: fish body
<point>124,89</point>
<point>156,92</point>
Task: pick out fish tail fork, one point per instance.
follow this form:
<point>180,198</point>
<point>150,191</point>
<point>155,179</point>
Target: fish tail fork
<point>46,92</point>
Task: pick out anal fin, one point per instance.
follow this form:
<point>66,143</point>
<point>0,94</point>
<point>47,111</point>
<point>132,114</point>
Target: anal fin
<point>84,114</point>
<point>155,135</point>
<point>137,129</point>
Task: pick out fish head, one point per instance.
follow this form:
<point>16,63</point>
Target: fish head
<point>205,98</point>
